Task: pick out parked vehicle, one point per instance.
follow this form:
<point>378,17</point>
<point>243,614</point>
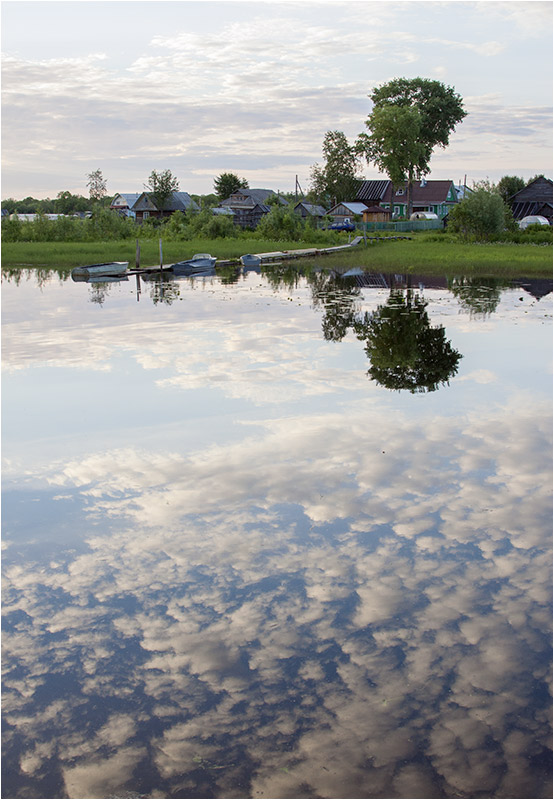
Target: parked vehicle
<point>342,226</point>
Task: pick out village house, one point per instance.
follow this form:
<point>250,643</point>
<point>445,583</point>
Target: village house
<point>141,206</point>
<point>533,200</point>
<point>250,205</point>
<point>305,210</point>
<point>435,197</point>
<point>346,211</point>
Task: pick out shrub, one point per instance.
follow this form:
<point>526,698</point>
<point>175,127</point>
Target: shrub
<point>481,215</point>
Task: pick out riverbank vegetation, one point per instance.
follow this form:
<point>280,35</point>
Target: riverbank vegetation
<point>426,253</point>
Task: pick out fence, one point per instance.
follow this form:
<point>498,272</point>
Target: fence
<point>402,227</point>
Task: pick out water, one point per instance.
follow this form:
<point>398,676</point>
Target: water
<point>236,564</point>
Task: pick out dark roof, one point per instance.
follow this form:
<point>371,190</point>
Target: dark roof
<point>312,208</point>
<point>180,201</point>
<point>431,191</point>
<point>539,189</point>
<point>378,210</point>
<point>252,196</point>
<point>372,190</point>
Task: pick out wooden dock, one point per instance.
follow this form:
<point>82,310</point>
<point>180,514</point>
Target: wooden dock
<point>310,252</point>
<point>284,255</point>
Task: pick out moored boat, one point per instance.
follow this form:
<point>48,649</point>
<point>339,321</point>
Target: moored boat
<point>250,260</point>
<point>108,268</point>
<point>198,261</point>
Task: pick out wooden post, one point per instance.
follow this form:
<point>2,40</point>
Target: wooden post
<point>137,256</point>
<point>161,256</point>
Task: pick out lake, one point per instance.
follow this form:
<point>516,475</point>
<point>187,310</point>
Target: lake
<point>273,535</point>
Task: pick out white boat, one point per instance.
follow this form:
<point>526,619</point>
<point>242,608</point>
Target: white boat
<point>95,270</point>
<point>250,260</point>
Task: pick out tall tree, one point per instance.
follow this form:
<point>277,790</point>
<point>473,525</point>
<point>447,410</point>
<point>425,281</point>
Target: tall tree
<point>338,178</point>
<point>395,145</point>
<point>227,184</point>
<point>97,185</point>
<point>509,185</point>
<point>161,186</point>
<point>439,108</point>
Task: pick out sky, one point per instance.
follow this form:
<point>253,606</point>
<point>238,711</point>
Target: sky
<point>202,88</point>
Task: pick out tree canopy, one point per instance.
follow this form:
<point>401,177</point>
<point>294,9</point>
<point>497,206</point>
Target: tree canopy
<point>338,178</point>
<point>161,186</point>
<point>227,183</point>
<point>410,117</point>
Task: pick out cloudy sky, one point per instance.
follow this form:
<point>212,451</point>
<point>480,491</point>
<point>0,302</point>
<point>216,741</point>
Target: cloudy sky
<point>251,87</point>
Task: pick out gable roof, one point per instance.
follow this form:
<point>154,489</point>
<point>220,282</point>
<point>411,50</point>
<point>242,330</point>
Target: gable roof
<point>179,201</point>
<point>129,198</point>
<point>430,191</point>
<point>539,189</point>
<point>252,196</point>
<point>372,190</point>
<point>311,208</point>
<point>352,207</point>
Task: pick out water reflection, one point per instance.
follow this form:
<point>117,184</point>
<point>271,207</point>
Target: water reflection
<point>342,592</point>
<point>405,351</point>
<point>247,629</point>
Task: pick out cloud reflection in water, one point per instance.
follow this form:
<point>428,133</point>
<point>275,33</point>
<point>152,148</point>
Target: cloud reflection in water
<point>297,614</point>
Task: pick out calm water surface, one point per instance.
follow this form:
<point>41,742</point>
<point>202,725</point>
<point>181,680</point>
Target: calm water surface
<point>277,536</point>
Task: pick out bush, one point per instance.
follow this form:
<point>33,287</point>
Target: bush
<point>479,216</point>
<point>280,223</point>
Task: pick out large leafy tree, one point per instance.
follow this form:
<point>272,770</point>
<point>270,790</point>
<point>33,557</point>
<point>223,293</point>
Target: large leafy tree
<point>227,184</point>
<point>161,186</point>
<point>338,178</point>
<point>404,142</point>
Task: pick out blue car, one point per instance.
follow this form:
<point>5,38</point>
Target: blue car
<point>342,226</point>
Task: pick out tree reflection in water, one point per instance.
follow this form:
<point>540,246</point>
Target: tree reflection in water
<point>405,351</point>
<point>478,296</point>
<point>338,300</point>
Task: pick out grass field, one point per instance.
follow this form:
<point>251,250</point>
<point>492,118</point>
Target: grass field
<point>421,254</point>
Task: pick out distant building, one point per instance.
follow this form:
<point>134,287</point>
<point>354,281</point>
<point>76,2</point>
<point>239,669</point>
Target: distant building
<point>535,199</point>
<point>346,211</point>
<point>141,206</point>
<point>305,209</point>
<point>435,197</point>
<point>123,203</point>
<point>250,205</point>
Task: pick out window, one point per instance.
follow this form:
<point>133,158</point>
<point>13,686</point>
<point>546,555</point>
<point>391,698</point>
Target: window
<point>400,192</point>
<point>145,214</point>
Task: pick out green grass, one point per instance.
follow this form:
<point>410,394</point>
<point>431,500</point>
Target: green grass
<point>430,257</point>
<point>421,254</point>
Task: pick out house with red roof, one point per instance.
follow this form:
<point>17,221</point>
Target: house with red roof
<point>435,197</point>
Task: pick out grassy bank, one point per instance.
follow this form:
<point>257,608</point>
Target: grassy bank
<point>419,254</point>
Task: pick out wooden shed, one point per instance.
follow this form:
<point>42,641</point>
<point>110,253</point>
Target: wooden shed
<point>376,214</point>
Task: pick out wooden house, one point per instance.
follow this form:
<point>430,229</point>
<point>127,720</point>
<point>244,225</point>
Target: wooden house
<point>250,205</point>
<point>346,211</point>
<point>376,214</point>
<point>535,199</point>
<point>145,205</point>
<point>436,197</point>
<point>305,210</point>
<point>124,203</point>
